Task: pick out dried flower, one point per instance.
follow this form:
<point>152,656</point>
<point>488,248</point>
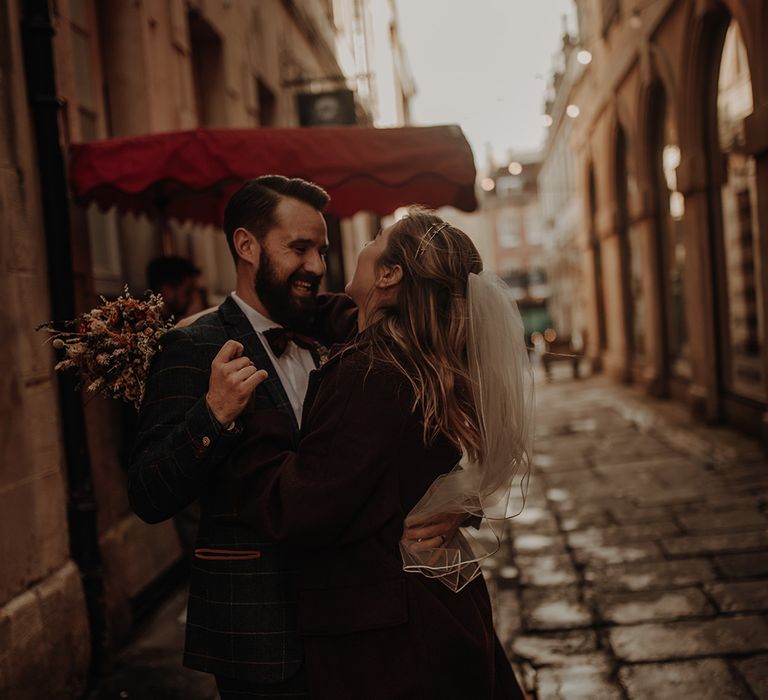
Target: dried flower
<point>111,347</point>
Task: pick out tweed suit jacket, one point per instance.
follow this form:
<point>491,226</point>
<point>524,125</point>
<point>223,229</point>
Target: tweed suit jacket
<point>241,618</point>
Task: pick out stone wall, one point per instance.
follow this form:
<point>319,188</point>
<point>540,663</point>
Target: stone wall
<point>44,645</point>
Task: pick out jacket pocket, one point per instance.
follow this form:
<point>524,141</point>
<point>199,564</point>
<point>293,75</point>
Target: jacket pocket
<point>211,554</point>
<point>353,608</point>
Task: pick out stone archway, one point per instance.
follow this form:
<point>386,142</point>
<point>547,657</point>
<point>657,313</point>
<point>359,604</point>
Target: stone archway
<point>722,174</point>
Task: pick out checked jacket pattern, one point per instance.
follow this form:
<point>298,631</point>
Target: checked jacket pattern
<point>241,620</point>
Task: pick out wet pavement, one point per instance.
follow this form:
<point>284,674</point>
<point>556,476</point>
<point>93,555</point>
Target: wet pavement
<point>638,569</point>
<point>150,667</point>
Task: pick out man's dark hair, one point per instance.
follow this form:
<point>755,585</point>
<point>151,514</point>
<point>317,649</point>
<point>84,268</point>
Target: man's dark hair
<point>253,206</point>
<point>170,269</point>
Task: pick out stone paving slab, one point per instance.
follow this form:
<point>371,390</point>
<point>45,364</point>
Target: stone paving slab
<point>723,522</point>
<point>547,570</point>
<point>506,612</point>
<point>584,678</point>
<point>712,544</point>
<point>739,596</point>
<point>629,513</point>
<point>677,604</point>
<point>743,565</point>
<point>535,519</point>
<point>639,576</point>
<point>617,554</point>
<point>577,520</point>
<point>754,670</point>
<point>622,534</point>
<point>554,609</point>
<point>553,463</point>
<point>537,543</point>
<point>726,502</point>
<point>680,640</point>
<point>705,679</point>
<point>553,648</point>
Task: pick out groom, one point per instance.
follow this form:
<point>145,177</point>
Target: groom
<point>253,354</point>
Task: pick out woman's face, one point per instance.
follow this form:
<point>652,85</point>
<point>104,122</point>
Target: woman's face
<point>362,285</point>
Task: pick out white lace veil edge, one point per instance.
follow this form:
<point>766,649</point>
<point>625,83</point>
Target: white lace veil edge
<point>494,488</point>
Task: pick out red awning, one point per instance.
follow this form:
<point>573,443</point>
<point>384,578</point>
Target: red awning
<point>190,174</point>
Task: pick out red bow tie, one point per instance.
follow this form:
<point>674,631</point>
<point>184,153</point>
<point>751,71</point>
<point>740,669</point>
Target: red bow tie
<point>278,339</point>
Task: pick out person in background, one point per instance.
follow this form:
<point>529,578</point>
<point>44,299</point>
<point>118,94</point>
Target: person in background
<point>178,281</point>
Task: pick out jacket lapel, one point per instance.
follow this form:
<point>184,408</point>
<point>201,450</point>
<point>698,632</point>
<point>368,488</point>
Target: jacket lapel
<point>240,329</point>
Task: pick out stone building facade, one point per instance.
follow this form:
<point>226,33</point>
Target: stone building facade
<point>560,196</point>
<point>515,230</point>
<point>672,150</point>
<point>122,68</point>
<point>44,649</point>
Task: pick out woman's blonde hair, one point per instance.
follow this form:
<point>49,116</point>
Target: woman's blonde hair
<point>424,334</point>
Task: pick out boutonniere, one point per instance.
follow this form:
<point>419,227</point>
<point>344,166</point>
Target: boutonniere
<point>323,353</point>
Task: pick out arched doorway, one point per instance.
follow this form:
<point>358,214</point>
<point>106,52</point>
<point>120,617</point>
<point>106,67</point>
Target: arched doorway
<point>665,158</point>
<point>737,258</point>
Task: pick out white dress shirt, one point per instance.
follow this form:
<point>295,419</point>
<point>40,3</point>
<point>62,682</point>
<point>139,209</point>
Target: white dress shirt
<point>292,367</point>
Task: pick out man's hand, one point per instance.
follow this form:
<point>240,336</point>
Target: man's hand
<point>433,534</point>
<point>233,379</point>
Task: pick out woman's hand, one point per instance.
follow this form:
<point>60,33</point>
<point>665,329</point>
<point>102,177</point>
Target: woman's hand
<point>233,379</point>
<point>421,536</point>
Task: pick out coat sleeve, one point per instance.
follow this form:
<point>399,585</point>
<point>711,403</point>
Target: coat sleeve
<point>335,319</point>
<point>320,493</point>
<point>179,443</point>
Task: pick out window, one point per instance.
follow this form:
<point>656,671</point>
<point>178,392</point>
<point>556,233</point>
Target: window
<point>744,325</point>
<point>534,227</point>
<point>86,69</point>
<point>508,229</point>
<point>509,185</point>
<point>103,233</point>
<point>208,72</point>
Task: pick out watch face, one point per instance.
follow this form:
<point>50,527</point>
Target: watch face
<point>327,108</point>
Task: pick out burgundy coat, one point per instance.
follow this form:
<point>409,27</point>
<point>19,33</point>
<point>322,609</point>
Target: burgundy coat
<point>370,630</point>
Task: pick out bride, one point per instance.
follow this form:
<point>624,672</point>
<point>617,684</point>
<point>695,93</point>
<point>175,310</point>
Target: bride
<point>426,411</point>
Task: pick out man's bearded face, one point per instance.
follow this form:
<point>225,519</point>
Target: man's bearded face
<point>289,295</point>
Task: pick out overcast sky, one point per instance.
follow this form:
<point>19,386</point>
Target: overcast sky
<point>483,64</point>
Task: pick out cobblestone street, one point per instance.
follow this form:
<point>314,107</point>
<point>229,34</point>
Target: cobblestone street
<point>638,569</point>
<point>639,566</point>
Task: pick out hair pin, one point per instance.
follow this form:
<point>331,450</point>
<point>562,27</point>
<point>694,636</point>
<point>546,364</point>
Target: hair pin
<point>427,239</point>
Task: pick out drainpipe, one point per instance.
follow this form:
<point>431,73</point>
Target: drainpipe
<point>37,35</point>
